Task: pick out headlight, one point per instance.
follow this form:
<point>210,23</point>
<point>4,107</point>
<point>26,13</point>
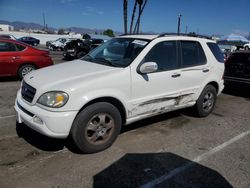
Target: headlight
<point>53,99</point>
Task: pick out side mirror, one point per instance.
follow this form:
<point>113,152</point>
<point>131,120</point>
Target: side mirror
<point>148,67</point>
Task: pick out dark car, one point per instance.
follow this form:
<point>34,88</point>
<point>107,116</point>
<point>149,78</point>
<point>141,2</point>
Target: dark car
<point>237,69</point>
<point>18,59</point>
<point>29,40</point>
<point>79,48</point>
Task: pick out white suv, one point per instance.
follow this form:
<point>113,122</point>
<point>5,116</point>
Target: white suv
<point>122,81</point>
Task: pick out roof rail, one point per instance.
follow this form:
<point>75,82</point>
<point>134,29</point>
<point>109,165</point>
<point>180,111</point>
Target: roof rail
<point>184,34</point>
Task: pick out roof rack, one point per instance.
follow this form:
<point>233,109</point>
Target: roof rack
<point>184,34</point>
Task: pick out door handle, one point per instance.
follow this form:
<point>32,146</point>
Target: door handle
<point>205,70</point>
<point>175,75</point>
<point>15,57</point>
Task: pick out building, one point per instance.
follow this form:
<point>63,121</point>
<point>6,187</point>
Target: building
<point>6,27</point>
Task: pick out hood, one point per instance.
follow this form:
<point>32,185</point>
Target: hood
<point>68,73</point>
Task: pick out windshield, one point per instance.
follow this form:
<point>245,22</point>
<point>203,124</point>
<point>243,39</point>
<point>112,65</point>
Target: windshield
<point>118,52</point>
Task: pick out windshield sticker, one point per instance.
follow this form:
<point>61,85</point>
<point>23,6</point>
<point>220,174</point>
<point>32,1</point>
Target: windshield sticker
<point>140,42</point>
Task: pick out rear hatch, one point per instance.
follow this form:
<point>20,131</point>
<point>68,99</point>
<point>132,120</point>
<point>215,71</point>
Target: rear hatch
<point>238,65</point>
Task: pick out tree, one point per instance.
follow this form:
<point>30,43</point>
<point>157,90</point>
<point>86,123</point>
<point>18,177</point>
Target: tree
<point>109,32</point>
<point>125,15</point>
<point>133,17</point>
<point>61,32</point>
<point>136,29</point>
<point>137,25</point>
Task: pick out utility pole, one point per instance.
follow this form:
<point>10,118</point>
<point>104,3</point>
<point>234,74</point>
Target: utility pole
<point>186,30</point>
<point>179,24</point>
<point>44,25</point>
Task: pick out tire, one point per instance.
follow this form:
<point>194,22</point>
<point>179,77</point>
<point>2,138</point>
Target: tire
<point>96,127</point>
<point>80,55</point>
<point>246,48</point>
<point>25,69</point>
<point>206,101</point>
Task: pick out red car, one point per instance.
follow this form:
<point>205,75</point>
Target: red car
<point>18,59</point>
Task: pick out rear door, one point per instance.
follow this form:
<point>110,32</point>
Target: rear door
<point>194,70</point>
<point>9,55</point>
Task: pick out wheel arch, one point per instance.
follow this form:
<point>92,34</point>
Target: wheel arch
<point>114,101</point>
<point>215,84</point>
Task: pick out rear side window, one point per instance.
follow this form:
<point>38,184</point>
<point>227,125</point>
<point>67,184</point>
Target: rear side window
<point>192,54</point>
<point>20,48</point>
<point>239,58</point>
<point>216,51</point>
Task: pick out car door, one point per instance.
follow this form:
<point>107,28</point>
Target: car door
<point>156,92</point>
<point>194,70</point>
<point>8,58</point>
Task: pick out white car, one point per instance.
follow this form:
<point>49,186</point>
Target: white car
<point>126,79</point>
<point>247,46</point>
<point>59,44</point>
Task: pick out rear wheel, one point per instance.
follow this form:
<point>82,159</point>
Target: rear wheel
<point>25,69</point>
<point>96,127</point>
<point>206,102</point>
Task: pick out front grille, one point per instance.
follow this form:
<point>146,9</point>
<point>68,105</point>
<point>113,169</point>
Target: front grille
<point>28,92</point>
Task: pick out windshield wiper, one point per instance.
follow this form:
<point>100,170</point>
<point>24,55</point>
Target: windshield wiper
<point>88,58</point>
<point>102,60</point>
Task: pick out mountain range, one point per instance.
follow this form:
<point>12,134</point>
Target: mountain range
<point>23,25</point>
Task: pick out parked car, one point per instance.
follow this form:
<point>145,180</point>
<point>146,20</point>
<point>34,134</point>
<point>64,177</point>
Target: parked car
<point>126,79</point>
<point>247,46</point>
<point>3,36</point>
<point>59,44</point>
<point>29,40</point>
<point>237,69</point>
<point>79,48</point>
<point>18,59</point>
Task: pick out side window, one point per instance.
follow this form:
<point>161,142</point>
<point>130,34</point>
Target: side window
<point>164,54</point>
<point>7,47</point>
<point>192,54</point>
<point>20,48</point>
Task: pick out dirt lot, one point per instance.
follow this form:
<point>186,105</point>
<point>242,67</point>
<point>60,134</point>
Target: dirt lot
<point>171,150</point>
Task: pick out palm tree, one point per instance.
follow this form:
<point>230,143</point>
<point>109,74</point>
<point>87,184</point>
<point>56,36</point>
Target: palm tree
<point>133,17</point>
<point>137,25</point>
<point>125,15</point>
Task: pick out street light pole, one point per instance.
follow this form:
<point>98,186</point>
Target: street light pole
<point>179,24</point>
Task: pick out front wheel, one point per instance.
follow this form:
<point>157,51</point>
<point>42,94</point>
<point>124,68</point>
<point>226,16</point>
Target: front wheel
<point>206,102</point>
<point>96,127</point>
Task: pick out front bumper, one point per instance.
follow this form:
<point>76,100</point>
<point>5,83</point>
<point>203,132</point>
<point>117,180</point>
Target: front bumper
<point>52,124</point>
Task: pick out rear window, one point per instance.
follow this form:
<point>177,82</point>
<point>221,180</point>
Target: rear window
<point>239,58</point>
<point>216,51</point>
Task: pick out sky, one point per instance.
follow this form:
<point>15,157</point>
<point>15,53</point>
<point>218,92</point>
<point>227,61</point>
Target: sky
<point>200,16</point>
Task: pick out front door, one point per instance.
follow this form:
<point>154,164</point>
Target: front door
<point>156,92</point>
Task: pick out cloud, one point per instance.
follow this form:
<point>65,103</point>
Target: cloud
<point>67,2</point>
<point>89,10</point>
